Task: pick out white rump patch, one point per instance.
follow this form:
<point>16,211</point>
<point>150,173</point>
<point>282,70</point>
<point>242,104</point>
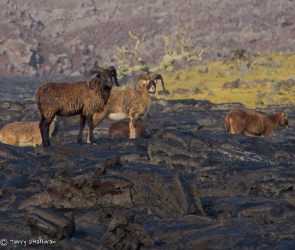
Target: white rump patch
<point>117,116</point>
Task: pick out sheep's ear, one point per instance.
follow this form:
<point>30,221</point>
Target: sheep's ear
<point>141,83</point>
<point>283,113</point>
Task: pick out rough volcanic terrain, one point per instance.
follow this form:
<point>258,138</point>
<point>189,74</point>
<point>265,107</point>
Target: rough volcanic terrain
<point>186,185</point>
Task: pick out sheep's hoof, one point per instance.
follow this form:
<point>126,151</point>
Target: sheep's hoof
<point>93,142</point>
<point>88,144</point>
<point>40,150</point>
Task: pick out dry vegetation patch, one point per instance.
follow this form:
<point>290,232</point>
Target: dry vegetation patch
<point>257,81</point>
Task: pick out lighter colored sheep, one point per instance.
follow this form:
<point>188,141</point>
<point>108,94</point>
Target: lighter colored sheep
<point>79,98</point>
<point>251,123</point>
<point>24,133</point>
<point>129,103</point>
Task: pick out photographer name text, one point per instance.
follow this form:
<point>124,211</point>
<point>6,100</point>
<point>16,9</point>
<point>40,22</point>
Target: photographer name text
<point>5,242</point>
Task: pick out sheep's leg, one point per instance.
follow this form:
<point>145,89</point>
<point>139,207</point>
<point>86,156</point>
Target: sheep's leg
<point>132,120</point>
<point>97,119</point>
<point>237,129</point>
<point>41,125</point>
<point>249,134</point>
<point>10,139</point>
<point>89,119</point>
<point>44,130</point>
<point>82,125</point>
<point>236,125</point>
<point>268,132</point>
<point>132,129</point>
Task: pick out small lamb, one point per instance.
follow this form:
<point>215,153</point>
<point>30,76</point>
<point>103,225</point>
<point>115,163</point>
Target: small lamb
<point>252,123</point>
<point>24,133</point>
<point>121,128</point>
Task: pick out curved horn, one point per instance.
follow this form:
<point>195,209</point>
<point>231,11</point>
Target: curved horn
<point>159,77</point>
<point>140,77</point>
<point>114,71</point>
<point>92,72</point>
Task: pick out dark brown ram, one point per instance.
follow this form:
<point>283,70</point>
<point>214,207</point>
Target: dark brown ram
<point>79,98</point>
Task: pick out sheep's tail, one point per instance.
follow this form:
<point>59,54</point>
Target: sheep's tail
<point>227,124</point>
<point>37,99</point>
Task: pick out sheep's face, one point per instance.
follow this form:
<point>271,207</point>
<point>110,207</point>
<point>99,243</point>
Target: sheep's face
<point>284,120</point>
<point>108,77</point>
<point>151,87</point>
<point>113,71</point>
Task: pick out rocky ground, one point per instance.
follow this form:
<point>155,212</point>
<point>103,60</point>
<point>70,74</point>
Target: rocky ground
<point>186,185</point>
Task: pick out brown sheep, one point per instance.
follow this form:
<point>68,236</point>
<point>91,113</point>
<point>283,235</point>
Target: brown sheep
<point>121,129</point>
<point>252,123</point>
<point>79,98</point>
<point>24,133</point>
<point>129,103</point>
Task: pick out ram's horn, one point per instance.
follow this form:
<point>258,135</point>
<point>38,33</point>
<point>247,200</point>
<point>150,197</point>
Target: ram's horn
<point>92,72</point>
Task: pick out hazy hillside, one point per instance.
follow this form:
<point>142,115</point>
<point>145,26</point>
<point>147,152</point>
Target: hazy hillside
<point>68,37</point>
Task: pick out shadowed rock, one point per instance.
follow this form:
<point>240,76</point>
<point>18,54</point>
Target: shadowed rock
<point>44,221</point>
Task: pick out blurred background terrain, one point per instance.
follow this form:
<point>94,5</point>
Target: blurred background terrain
<point>193,45</point>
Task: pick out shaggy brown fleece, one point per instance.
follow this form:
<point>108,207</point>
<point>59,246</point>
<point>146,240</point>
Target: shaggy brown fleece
<point>252,123</point>
<point>121,129</point>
